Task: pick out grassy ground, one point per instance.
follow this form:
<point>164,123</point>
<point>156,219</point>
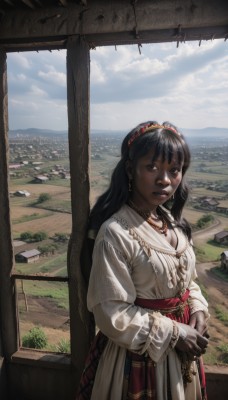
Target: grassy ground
<point>48,301</point>
<point>208,252</point>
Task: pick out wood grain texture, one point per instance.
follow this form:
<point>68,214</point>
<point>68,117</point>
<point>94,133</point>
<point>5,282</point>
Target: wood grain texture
<point>7,290</point>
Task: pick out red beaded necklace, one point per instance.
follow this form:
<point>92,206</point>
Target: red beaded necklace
<point>146,215</point>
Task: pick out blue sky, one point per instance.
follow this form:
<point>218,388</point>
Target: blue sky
<point>187,85</point>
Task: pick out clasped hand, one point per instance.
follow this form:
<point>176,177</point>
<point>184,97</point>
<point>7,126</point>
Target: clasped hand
<point>196,341</point>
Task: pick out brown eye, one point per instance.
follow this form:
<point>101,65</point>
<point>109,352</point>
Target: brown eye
<point>175,171</point>
<point>151,167</point>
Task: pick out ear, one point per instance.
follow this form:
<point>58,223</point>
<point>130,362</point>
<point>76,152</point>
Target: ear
<point>129,169</point>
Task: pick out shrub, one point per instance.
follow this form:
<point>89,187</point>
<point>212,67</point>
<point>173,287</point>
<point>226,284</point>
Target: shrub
<point>43,197</point>
<point>26,236</point>
<point>222,315</point>
<point>61,237</point>
<point>205,220</point>
<point>39,236</point>
<point>224,350</point>
<point>63,346</point>
<point>49,248</point>
<point>35,339</point>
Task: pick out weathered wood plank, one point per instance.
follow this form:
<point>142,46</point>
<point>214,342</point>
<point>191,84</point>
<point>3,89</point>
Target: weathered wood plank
<point>119,19</point>
<point>7,292</point>
<point>78,72</point>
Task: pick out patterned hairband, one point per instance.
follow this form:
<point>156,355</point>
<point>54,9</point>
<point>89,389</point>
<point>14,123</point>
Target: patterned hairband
<point>149,128</point>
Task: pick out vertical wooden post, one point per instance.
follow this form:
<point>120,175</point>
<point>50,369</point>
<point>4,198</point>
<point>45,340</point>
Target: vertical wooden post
<point>8,324</point>
<point>7,291</point>
<point>78,75</point>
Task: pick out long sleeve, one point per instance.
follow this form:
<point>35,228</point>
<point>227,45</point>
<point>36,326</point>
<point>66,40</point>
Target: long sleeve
<point>197,301</point>
<point>111,297</point>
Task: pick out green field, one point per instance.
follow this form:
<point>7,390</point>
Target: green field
<point>48,302</point>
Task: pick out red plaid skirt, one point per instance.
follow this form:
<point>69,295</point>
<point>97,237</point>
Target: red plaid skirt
<point>139,372</point>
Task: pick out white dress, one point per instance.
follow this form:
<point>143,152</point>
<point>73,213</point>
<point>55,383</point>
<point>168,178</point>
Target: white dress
<point>130,260</point>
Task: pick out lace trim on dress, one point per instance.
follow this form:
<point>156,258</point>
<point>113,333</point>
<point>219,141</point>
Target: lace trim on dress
<point>175,263</point>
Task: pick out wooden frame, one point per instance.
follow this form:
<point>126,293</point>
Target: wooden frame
<point>117,22</point>
<point>78,27</point>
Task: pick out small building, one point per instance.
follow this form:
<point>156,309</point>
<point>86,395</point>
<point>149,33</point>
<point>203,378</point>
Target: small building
<point>221,237</point>
<point>29,256</point>
<point>224,260</point>
<point>22,193</point>
<point>209,203</point>
<point>15,166</point>
<point>40,179</point>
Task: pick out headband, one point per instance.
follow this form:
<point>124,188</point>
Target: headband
<point>149,128</point>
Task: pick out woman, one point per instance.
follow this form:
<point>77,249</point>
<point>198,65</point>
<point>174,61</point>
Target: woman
<point>151,314</point>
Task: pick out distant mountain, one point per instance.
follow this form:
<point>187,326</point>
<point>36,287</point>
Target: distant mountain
<point>36,132</point>
<point>210,132</point>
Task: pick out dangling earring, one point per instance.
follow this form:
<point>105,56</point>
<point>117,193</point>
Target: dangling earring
<point>129,185</point>
<point>173,197</point>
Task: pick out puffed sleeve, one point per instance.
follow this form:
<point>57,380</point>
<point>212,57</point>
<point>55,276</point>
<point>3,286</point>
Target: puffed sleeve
<point>111,297</point>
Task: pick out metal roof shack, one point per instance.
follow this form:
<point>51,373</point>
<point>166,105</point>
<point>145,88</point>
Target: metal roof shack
<point>221,237</point>
<point>28,256</point>
<point>40,179</point>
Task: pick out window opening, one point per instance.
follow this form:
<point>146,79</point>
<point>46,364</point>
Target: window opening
<point>40,198</point>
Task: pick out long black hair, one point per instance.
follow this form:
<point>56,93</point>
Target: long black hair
<point>166,141</point>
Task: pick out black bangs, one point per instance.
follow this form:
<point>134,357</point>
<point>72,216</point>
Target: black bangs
<point>165,145</point>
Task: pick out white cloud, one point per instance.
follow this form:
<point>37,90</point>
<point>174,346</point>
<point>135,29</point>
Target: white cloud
<point>97,73</point>
<point>20,60</point>
<point>53,76</point>
<point>186,85</point>
<point>21,77</point>
<point>36,91</point>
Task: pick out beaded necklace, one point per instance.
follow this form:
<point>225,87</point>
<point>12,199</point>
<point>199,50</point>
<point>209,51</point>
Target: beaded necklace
<point>147,217</point>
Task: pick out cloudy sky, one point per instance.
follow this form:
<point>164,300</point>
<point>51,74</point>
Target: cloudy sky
<point>187,86</point>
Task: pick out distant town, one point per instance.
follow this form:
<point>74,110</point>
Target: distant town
<point>45,158</point>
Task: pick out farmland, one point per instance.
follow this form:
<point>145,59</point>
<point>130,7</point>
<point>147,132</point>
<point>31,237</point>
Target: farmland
<point>45,304</point>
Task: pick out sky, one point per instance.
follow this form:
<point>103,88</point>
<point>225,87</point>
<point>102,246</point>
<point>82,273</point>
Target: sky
<point>187,86</point>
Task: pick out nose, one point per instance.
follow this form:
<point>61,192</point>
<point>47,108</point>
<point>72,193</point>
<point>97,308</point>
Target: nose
<point>163,178</point>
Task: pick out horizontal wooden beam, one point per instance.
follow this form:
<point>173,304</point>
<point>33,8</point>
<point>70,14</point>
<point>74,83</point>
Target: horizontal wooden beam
<point>34,277</point>
<point>115,22</point>
<point>177,35</point>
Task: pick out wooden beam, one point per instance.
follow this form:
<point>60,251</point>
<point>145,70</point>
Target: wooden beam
<point>10,2</point>
<point>29,3</point>
<point>7,290</point>
<point>63,2</point>
<point>119,21</point>
<point>78,75</point>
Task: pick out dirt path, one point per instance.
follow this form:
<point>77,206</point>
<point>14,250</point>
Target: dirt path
<point>217,292</point>
<point>209,232</point>
<point>215,287</point>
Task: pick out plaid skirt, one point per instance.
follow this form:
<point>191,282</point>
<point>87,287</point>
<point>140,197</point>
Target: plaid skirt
<point>139,381</point>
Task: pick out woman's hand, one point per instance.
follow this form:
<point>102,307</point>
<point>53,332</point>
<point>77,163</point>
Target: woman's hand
<point>192,343</point>
<point>199,322</point>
